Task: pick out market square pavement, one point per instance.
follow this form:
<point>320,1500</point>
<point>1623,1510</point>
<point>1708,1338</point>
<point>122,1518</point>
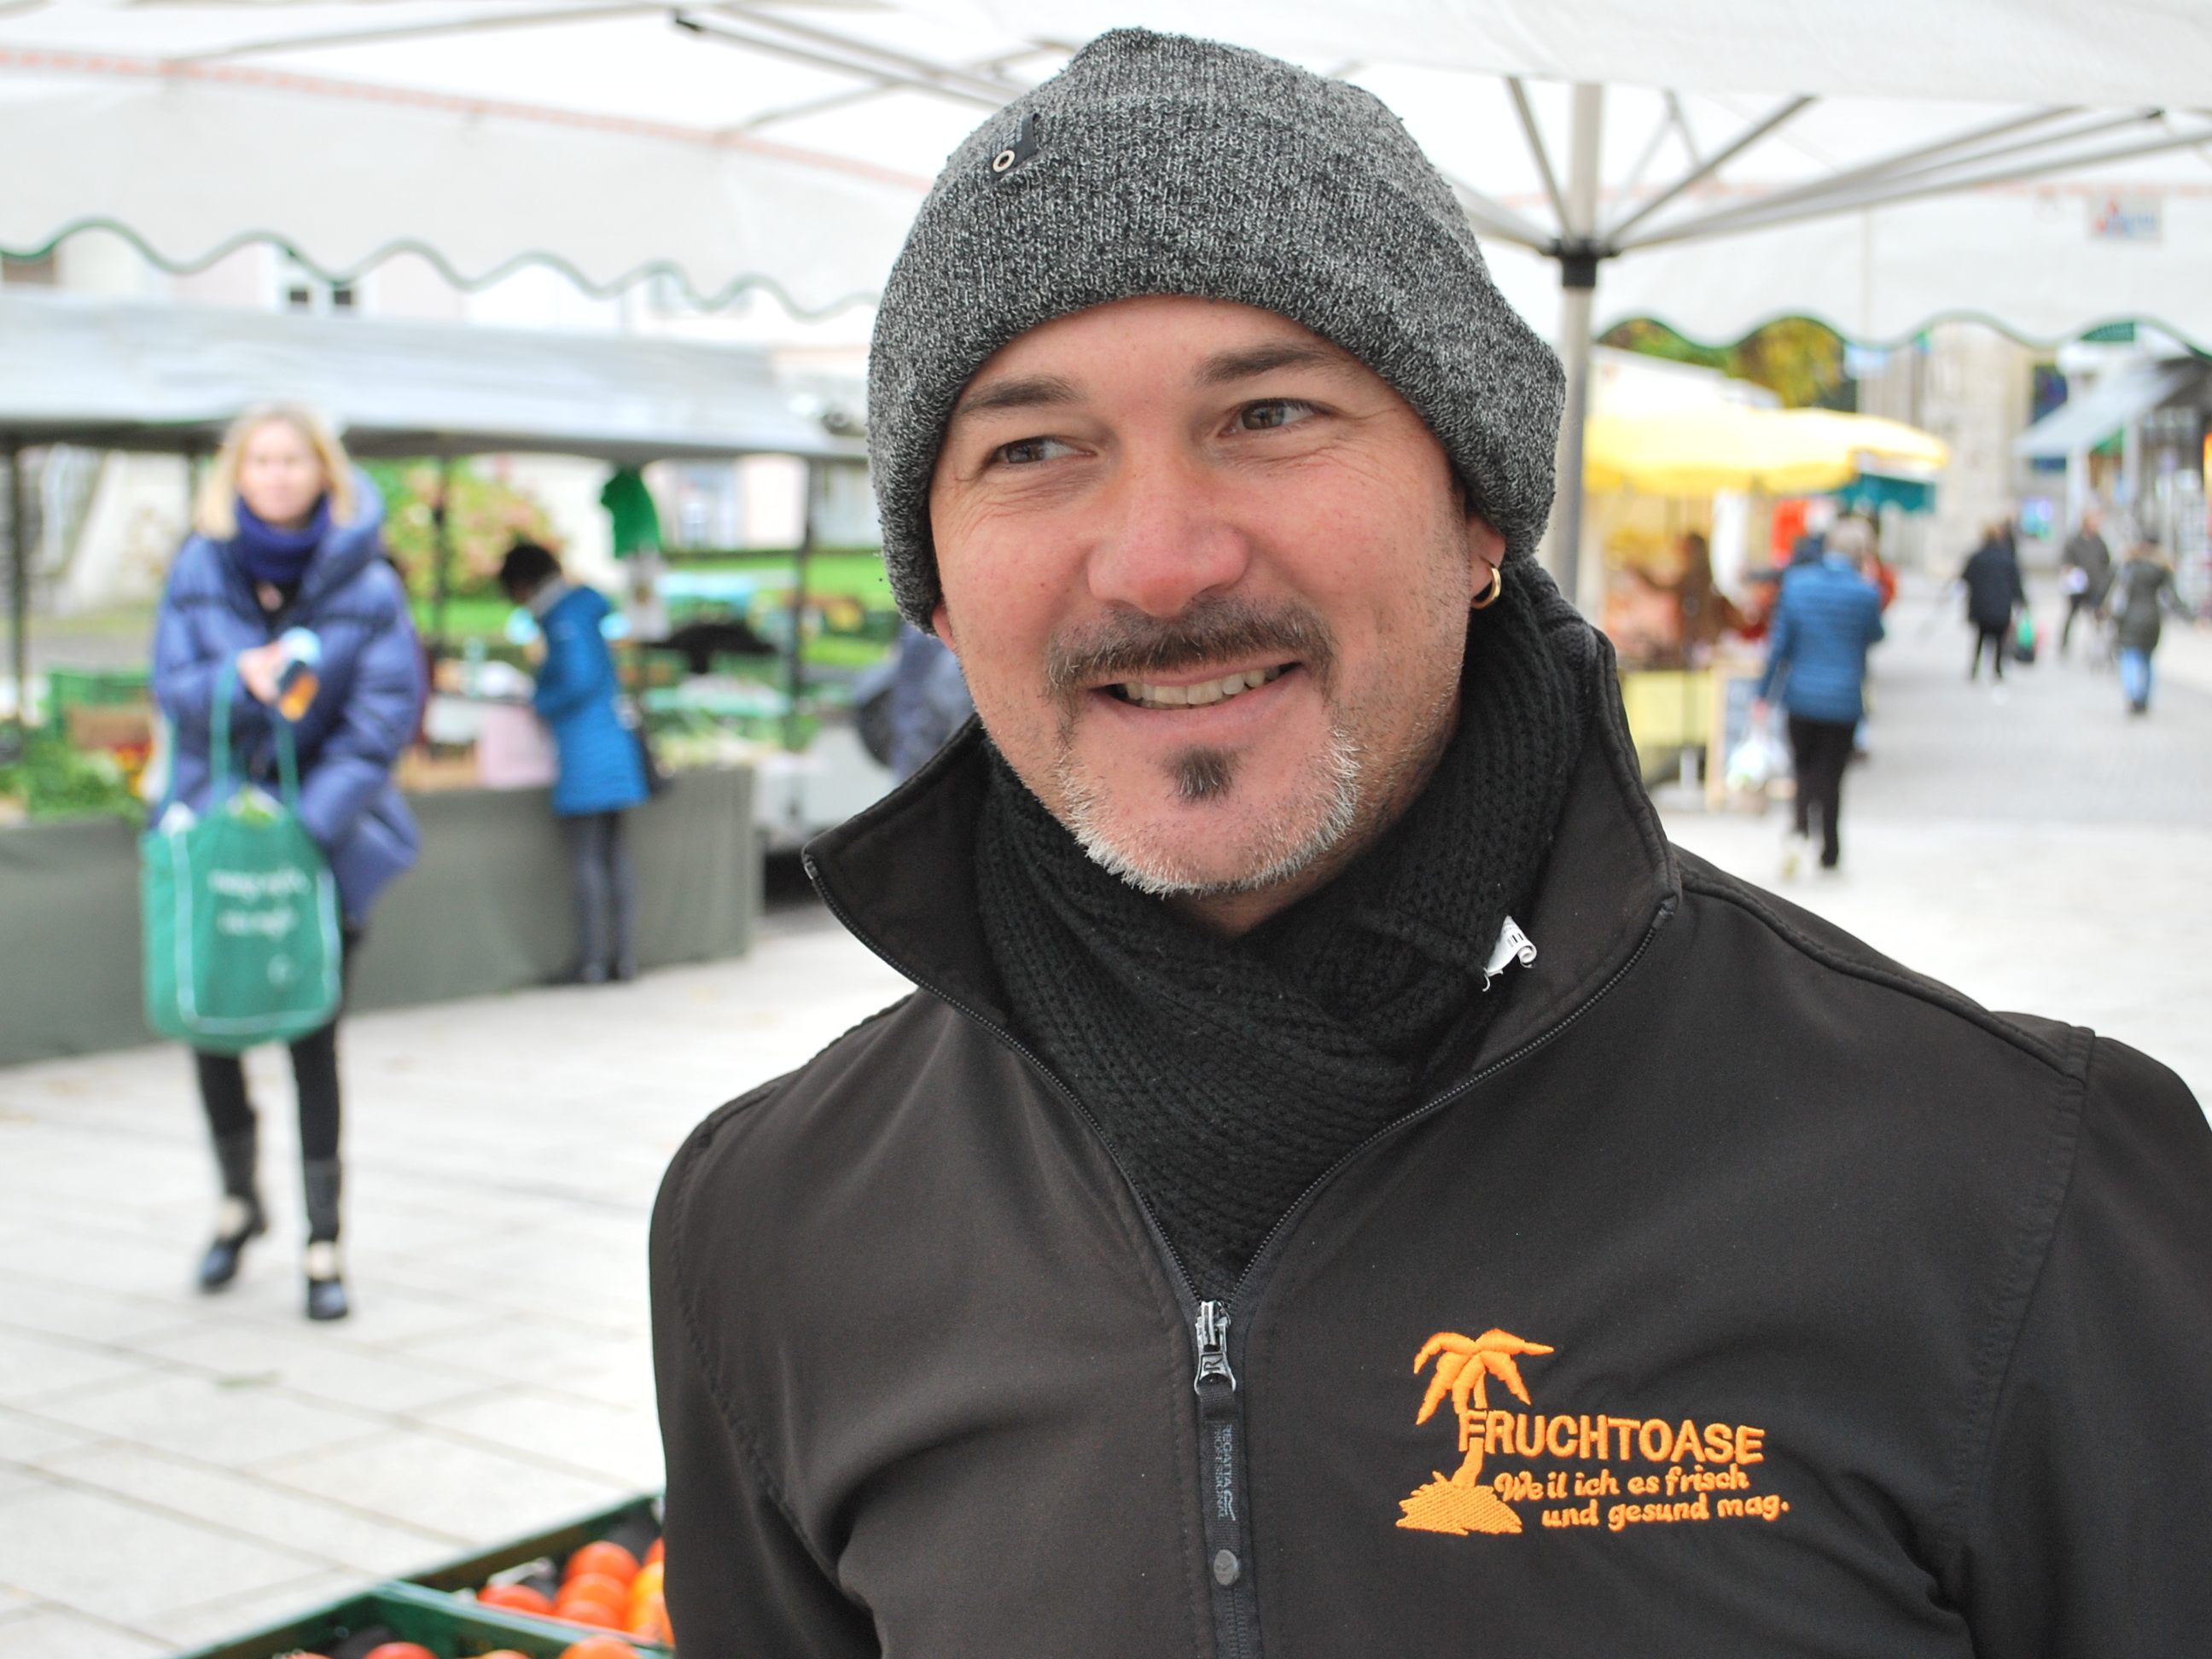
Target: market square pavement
<point>176,1468</point>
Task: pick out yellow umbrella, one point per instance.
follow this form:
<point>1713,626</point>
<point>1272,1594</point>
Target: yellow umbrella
<point>1695,452</point>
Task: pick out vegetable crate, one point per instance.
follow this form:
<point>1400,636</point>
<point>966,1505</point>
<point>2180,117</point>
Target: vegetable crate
<point>449,1627</point>
<point>94,688</point>
<point>541,1561</point>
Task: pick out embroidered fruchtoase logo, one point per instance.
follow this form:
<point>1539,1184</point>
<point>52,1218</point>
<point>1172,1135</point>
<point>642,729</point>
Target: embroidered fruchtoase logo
<point>1617,1472</point>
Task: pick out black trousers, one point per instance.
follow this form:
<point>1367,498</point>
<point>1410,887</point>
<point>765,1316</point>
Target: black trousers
<point>607,894</point>
<point>314,1071</point>
<point>1821,749</point>
<point>1992,640</point>
<point>2075,604</point>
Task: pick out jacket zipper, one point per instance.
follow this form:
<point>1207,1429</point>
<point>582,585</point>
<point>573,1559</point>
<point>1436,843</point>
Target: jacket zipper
<point>1220,1398</point>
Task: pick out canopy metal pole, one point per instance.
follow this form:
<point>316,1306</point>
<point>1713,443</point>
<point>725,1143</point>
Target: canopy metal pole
<point>795,662</point>
<point>1578,258</point>
<point>441,566</point>
<point>19,583</point>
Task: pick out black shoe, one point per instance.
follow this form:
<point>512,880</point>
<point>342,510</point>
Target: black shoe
<point>220,1265</point>
<point>625,971</point>
<point>326,1291</point>
<point>581,973</point>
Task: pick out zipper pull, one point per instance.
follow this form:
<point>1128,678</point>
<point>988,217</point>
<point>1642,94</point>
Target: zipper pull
<point>1513,945</point>
<point>1213,1345</point>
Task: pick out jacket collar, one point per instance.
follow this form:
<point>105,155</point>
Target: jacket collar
<point>901,876</point>
<point>344,553</point>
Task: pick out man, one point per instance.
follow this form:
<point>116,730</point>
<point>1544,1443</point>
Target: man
<point>2085,572</point>
<point>1345,1186</point>
<point>1827,618</point>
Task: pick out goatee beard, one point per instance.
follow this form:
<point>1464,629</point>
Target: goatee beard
<point>1209,775</point>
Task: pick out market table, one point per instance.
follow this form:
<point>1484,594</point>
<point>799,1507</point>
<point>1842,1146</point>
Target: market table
<point>487,909</point>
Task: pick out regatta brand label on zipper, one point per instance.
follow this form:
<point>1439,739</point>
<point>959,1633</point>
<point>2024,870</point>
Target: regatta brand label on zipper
<point>1606,1471</point>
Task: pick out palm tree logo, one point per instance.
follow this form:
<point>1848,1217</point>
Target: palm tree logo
<point>1462,1504</point>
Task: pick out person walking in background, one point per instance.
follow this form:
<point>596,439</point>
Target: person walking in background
<point>1994,593</point>
<point>929,700</point>
<point>2085,572</point>
<point>1827,618</point>
<point>601,765</point>
<point>287,535</point>
<point>2141,593</point>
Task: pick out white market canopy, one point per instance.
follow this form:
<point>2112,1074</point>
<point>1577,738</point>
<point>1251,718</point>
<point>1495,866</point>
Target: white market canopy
<point>117,376</point>
<point>1878,164</point>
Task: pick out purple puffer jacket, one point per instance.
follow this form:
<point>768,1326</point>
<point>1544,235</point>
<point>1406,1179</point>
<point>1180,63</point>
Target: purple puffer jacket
<point>364,708</point>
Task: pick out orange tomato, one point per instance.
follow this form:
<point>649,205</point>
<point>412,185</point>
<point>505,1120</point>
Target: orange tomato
<point>520,1597</point>
<point>590,1610</point>
<point>652,1556</point>
<point>400,1651</point>
<point>648,1618</point>
<point>648,1581</point>
<point>503,1653</point>
<point>611,1560</point>
<point>601,1647</point>
<point>597,1586</point>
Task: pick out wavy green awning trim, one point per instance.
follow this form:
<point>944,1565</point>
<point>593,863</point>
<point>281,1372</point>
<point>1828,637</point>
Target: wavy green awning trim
<point>192,265</point>
<point>1891,343</point>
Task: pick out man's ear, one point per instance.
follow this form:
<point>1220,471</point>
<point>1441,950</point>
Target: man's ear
<point>940,624</point>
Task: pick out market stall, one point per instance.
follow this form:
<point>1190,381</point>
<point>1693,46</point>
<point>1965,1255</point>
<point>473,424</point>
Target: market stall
<point>1656,476</point>
<point>487,909</point>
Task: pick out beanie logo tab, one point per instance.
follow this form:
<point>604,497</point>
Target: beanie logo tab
<point>1023,146</point>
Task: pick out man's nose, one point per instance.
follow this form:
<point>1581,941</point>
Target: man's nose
<point>1164,537</point>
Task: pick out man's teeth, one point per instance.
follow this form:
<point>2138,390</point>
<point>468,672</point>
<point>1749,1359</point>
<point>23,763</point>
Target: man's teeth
<point>1195,697</point>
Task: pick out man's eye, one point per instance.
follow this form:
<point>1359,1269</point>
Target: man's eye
<point>1027,452</point>
<point>1273,412</point>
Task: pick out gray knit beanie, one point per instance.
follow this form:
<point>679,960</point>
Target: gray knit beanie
<point>1159,164</point>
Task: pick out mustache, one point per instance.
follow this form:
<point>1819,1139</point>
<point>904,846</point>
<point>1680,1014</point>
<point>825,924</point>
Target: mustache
<point>1130,645</point>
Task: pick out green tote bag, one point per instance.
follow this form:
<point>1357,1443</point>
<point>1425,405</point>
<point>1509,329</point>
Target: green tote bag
<point>241,911</point>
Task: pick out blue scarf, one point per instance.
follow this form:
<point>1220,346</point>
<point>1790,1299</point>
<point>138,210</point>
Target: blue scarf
<point>280,556</point>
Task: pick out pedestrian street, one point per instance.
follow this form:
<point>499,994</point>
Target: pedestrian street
<point>175,1468</point>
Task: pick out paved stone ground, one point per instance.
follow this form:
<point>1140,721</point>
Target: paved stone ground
<point>175,1468</point>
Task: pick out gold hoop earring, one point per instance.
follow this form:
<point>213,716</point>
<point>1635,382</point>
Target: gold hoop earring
<point>1497,587</point>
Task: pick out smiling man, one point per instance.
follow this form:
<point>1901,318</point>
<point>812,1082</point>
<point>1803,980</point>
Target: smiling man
<point>1345,1184</point>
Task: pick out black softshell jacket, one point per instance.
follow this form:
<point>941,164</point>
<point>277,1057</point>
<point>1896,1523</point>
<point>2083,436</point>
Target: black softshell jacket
<point>1815,1310</point>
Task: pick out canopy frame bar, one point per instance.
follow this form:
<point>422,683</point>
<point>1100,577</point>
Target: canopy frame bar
<point>876,88</point>
<point>1681,118</point>
<point>1004,87</point>
<point>1650,153</point>
<point>1494,216</point>
<point>840,55</point>
<point>1904,160</point>
<point>1886,192</point>
<point>481,23</point>
<point>1920,165</point>
<point>1696,175</point>
<point>1530,131</point>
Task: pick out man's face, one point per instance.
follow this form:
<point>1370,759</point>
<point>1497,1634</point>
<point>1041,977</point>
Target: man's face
<point>1208,578</point>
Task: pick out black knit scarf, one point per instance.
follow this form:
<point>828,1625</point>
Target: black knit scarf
<point>1229,1074</point>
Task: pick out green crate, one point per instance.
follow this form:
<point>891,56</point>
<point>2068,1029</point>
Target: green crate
<point>555,1543</point>
<point>633,1524</point>
<point>449,1627</point>
<point>94,688</point>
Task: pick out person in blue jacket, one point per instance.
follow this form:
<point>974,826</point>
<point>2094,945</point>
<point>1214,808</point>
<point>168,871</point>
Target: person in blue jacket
<point>602,766</point>
<point>287,535</point>
<point>1827,618</point>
